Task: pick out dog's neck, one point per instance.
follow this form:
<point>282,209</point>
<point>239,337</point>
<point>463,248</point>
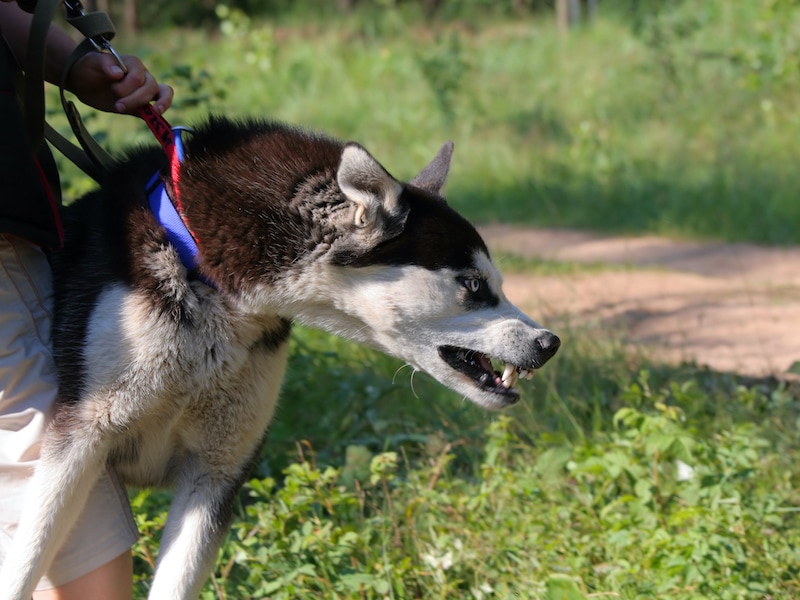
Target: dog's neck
<point>261,205</point>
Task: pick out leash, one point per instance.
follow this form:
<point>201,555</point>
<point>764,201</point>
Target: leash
<point>95,27</point>
<point>98,31</point>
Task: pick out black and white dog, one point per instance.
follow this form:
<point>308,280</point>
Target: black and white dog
<point>171,374</point>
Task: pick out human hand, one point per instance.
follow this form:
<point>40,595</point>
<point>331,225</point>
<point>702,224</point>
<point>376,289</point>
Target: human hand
<point>98,81</point>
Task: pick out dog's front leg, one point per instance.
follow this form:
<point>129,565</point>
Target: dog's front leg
<point>198,520</point>
<point>67,471</point>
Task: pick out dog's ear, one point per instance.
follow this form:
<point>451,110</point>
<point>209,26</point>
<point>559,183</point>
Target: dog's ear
<point>432,178</point>
<point>366,183</point>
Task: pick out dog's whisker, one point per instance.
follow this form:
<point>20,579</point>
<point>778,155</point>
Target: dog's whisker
<point>400,368</point>
<point>411,381</point>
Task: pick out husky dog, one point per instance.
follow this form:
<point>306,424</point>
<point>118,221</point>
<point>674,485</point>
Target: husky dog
<point>171,374</point>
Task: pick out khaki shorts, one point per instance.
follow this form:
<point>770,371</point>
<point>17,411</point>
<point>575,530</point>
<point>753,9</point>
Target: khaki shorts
<point>27,396</point>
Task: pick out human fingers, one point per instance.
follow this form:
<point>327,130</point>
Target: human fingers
<point>100,81</point>
<point>134,78</point>
<point>164,98</point>
<point>138,88</point>
<point>111,68</point>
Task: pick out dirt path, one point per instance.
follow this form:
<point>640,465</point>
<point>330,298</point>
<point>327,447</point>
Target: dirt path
<point>732,307</point>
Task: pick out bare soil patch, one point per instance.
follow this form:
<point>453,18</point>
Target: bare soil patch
<point>731,307</point>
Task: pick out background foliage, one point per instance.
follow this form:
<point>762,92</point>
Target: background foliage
<point>615,477</point>
<point>670,117</point>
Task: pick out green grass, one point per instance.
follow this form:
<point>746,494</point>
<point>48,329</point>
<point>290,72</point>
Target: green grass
<point>683,124</point>
<point>513,263</point>
<point>371,489</point>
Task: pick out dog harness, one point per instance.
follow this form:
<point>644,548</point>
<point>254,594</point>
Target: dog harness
<point>169,215</point>
<point>168,210</point>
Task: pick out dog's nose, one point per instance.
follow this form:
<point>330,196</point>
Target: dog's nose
<point>549,344</point>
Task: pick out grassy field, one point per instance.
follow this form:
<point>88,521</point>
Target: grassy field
<point>615,477</point>
<point>683,122</point>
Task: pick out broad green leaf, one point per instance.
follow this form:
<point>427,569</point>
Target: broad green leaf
<point>560,587</point>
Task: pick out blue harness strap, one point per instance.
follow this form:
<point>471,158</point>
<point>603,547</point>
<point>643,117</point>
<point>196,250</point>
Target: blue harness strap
<point>167,215</point>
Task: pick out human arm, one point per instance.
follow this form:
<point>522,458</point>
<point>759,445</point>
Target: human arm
<point>96,78</point>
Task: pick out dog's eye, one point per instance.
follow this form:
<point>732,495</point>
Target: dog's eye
<point>473,284</point>
<point>479,293</point>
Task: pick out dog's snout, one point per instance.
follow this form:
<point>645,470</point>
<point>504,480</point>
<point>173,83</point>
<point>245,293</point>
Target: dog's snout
<point>548,344</point>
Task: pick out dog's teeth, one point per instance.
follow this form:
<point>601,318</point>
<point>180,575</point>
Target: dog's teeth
<point>509,376</point>
<point>525,374</point>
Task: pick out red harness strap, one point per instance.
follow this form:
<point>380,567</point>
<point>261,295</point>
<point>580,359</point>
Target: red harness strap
<point>168,209</point>
<point>165,135</point>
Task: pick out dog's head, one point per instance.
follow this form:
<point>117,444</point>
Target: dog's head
<point>410,276</point>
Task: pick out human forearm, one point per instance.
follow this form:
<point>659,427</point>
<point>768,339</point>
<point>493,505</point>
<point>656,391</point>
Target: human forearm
<point>96,78</point>
<point>15,24</point>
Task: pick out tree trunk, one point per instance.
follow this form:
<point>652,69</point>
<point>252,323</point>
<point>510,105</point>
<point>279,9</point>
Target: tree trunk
<point>568,12</point>
<point>129,19</point>
<point>562,15</point>
<point>430,7</point>
<point>574,11</point>
<point>591,10</point>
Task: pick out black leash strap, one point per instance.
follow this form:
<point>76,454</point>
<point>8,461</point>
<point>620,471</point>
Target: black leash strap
<point>33,90</point>
<point>98,29</point>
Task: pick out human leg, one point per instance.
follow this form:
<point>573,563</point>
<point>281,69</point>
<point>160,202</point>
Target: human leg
<point>28,393</point>
<point>111,581</point>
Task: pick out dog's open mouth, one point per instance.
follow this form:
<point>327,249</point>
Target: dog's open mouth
<point>478,367</point>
